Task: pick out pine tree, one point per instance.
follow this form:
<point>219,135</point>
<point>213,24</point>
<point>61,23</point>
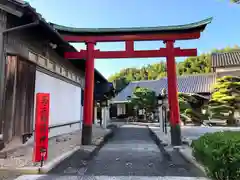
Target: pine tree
<point>225,99</point>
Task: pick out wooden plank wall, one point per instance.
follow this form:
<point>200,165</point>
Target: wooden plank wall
<point>19,98</point>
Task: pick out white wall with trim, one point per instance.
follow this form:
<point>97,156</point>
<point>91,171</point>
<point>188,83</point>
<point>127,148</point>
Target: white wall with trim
<point>65,102</point>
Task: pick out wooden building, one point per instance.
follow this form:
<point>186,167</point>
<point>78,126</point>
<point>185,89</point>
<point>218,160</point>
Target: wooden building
<point>199,84</point>
<point>222,64</point>
<point>227,63</point>
<point>31,61</point>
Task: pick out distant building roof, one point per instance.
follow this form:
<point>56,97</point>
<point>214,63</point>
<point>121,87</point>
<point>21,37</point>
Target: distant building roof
<point>188,84</point>
<point>225,59</point>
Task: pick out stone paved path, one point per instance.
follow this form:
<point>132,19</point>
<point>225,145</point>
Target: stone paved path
<point>131,153</point>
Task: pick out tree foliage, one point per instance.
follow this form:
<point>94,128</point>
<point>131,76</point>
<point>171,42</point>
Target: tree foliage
<point>144,98</point>
<point>191,107</point>
<point>235,1</point>
<point>225,99</point>
<point>192,65</point>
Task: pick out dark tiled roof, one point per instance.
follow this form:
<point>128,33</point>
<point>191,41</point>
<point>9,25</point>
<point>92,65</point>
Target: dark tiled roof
<point>226,59</point>
<point>187,84</point>
<point>159,29</point>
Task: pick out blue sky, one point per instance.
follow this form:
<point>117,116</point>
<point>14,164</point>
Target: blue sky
<point>223,31</point>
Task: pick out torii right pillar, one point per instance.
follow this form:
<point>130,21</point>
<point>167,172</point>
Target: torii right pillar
<point>173,95</point>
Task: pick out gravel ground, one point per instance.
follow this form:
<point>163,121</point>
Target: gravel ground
<point>131,153</point>
<point>22,157</point>
<point>8,175</point>
<point>194,132</point>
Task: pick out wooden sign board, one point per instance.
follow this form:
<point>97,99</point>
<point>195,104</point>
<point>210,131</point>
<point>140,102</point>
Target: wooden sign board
<point>41,127</point>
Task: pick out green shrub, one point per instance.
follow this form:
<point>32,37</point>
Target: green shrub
<point>220,154</point>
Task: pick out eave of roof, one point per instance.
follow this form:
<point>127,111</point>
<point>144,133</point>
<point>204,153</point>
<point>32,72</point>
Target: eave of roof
<point>43,22</point>
<point>200,25</point>
<point>226,59</point>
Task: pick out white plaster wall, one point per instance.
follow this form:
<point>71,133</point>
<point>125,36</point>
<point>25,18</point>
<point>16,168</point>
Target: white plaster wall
<point>65,102</point>
<point>96,120</point>
<point>160,111</point>
<point>108,115</point>
<point>104,120</point>
<point>121,109</point>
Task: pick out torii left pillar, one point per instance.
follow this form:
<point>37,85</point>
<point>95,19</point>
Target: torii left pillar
<point>88,95</point>
<point>173,95</point>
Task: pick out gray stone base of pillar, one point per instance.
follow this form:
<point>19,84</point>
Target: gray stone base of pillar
<point>176,139</point>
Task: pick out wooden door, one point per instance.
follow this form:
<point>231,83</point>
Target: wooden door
<point>113,110</point>
<point>19,98</point>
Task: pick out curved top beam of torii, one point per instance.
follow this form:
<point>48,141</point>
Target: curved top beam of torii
<point>96,32</point>
<point>129,35</point>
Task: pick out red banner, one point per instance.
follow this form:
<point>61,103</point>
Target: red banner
<point>41,127</point>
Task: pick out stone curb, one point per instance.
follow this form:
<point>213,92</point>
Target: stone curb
<point>52,164</point>
<point>101,143</point>
<point>179,149</point>
<point>191,159</point>
<point>158,142</point>
<point>187,141</point>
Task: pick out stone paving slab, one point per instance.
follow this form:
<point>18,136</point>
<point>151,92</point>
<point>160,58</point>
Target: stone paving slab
<point>130,151</point>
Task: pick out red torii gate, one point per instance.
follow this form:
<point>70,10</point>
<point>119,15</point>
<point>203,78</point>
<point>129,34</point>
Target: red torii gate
<point>168,34</point>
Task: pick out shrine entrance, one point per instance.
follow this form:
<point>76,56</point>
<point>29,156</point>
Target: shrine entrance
<point>167,34</point>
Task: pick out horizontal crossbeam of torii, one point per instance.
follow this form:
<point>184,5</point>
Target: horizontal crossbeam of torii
<point>131,53</point>
<point>167,34</point>
<point>134,37</point>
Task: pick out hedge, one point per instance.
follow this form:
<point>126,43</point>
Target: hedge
<point>219,153</point>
